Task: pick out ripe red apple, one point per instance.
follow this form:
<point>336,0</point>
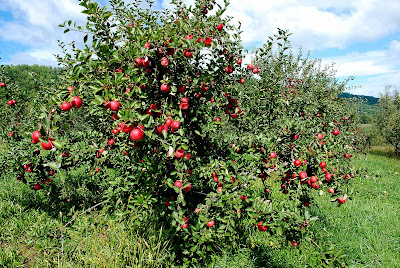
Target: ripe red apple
<point>228,69</point>
<point>175,124</point>
<point>138,62</point>
<point>313,179</point>
<point>97,169</point>
<point>37,187</point>
<point>114,105</point>
<point>189,36</point>
<point>303,175</point>
<point>165,88</point>
<point>322,165</point>
<point>47,146</point>
<point>184,106</point>
<point>243,197</point>
<point>341,200</point>
<point>187,189</point>
<point>294,243</point>
<point>241,81</point>
<point>272,155</point>
<point>210,223</point>
<point>76,102</point>
<point>136,134</point>
<point>219,189</point>
<point>185,226</point>
<point>250,66</point>
<point>185,100</point>
<point>208,41</point>
<point>111,141</point>
<point>255,70</point>
<point>164,61</point>
<point>147,45</point>
<point>168,122</point>
<point>297,162</point>
<point>2,84</point>
<point>181,89</point>
<point>261,228</point>
<point>36,135</point>
<point>51,172</point>
<point>66,106</point>
<point>335,132</point>
<point>187,53</point>
<point>220,27</point>
<point>331,190</point>
<point>178,184</point>
<point>239,61</point>
<point>328,176</point>
<point>320,136</point>
<point>179,153</point>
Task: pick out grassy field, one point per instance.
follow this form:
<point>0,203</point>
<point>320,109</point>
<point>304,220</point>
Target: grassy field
<point>366,230</point>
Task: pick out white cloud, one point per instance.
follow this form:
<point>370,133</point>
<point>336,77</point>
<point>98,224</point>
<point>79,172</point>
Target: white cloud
<point>315,24</point>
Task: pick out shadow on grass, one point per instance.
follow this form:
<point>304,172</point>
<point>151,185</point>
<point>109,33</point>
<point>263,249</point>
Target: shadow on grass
<point>385,151</point>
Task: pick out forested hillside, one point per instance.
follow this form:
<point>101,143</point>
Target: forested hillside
<point>367,109</point>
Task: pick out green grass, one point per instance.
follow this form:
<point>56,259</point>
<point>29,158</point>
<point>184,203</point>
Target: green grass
<point>366,229</point>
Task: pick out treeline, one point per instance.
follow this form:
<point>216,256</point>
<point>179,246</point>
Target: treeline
<point>34,77</point>
<point>368,108</point>
<point>29,77</point>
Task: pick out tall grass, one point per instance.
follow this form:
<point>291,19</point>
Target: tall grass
<point>365,231</point>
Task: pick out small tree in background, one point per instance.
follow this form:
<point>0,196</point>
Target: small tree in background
<point>388,117</point>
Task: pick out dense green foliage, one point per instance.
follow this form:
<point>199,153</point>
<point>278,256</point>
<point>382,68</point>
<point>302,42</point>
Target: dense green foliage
<point>388,118</point>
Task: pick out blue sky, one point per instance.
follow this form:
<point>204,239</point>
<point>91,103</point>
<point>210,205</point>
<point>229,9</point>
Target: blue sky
<point>362,37</point>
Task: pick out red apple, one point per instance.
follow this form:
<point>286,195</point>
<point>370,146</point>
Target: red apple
<point>255,70</point>
<point>136,134</point>
<point>37,187</point>
<point>66,106</point>
<point>335,132</point>
<point>147,45</point>
<point>164,61</point>
<point>331,190</point>
<point>272,155</point>
<point>175,124</point>
<point>220,27</point>
<point>36,135</point>
<point>165,88</point>
<point>322,165</point>
<point>303,175</point>
<point>187,189</point>
<point>2,84</point>
<point>179,153</point>
<point>210,223</point>
<point>114,105</point>
<point>76,102</point>
<point>261,228</point>
<point>250,66</point>
<point>297,162</point>
<point>341,200</point>
<point>178,184</point>
<point>47,146</point>
<point>228,69</point>
<point>168,122</point>
<point>320,136</point>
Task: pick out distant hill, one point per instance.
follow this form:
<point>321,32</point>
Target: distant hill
<point>368,108</point>
<point>369,99</point>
